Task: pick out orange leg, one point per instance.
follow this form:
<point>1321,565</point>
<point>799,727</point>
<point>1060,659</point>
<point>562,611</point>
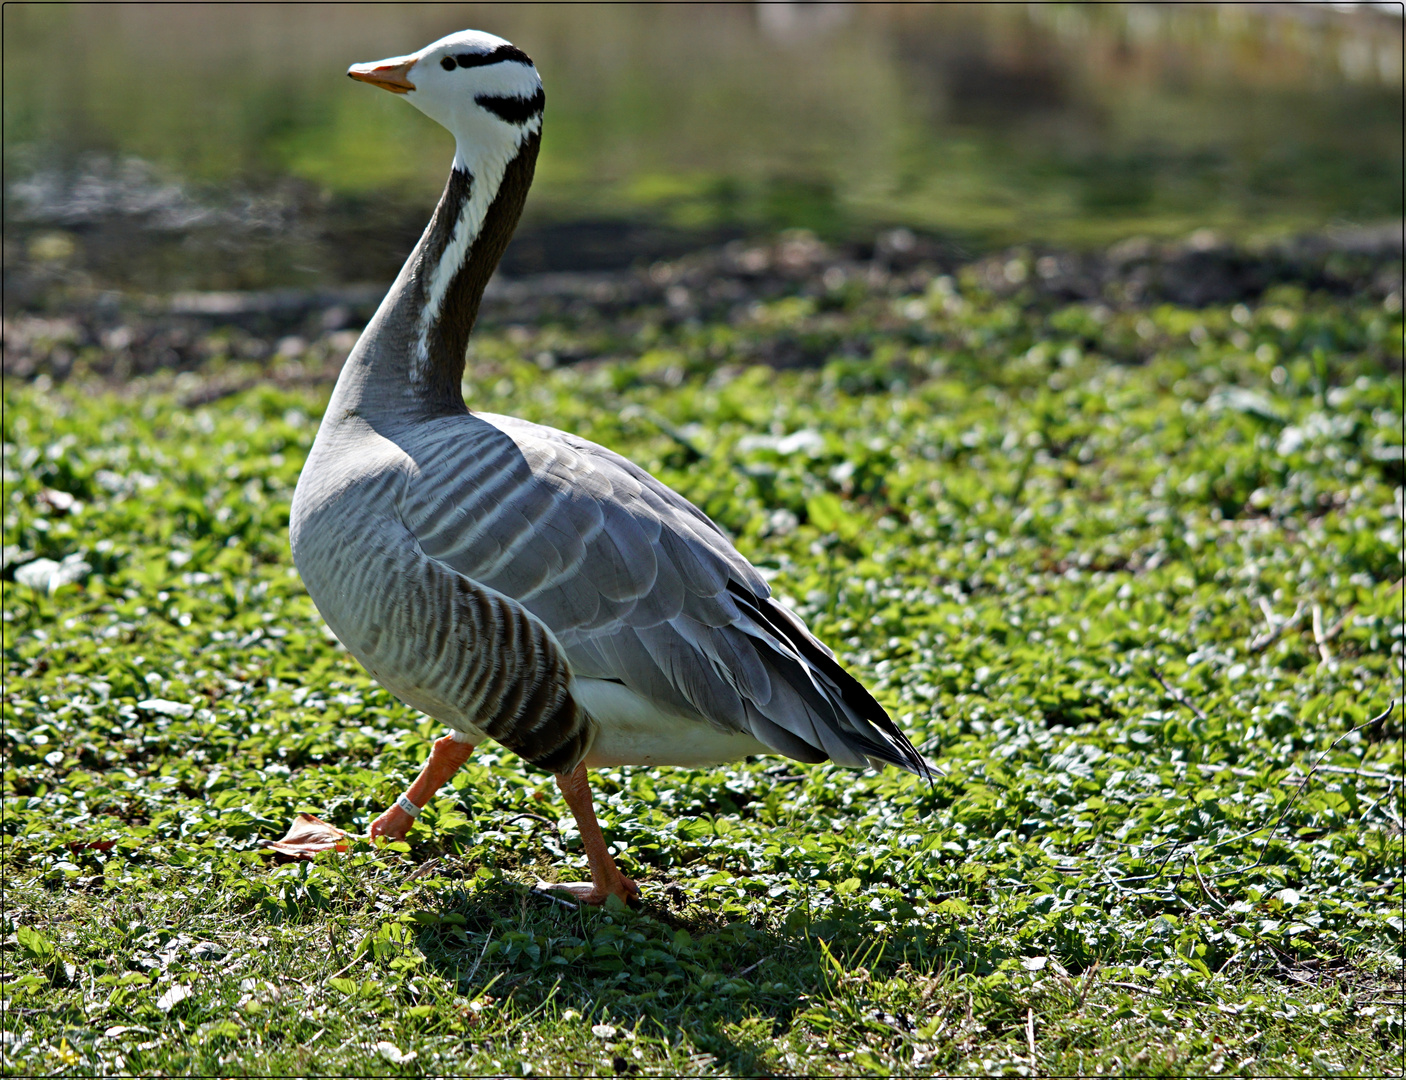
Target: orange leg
<point>309,835</point>
<point>446,757</point>
<point>606,879</point>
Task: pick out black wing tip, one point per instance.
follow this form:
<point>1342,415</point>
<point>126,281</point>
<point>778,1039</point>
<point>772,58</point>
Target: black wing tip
<point>892,747</point>
<point>931,771</point>
<point>908,759</point>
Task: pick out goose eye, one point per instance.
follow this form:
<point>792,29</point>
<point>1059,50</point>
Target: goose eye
<point>447,63</point>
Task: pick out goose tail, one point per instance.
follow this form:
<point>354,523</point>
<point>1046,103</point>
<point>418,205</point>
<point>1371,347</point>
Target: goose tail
<point>823,712</point>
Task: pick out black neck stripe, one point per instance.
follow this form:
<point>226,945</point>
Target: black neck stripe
<point>497,56</point>
<point>515,110</point>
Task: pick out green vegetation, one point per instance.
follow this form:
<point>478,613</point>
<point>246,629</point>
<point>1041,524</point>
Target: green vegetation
<point>1130,576</point>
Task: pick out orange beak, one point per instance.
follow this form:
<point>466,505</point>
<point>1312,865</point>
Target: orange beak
<point>387,74</point>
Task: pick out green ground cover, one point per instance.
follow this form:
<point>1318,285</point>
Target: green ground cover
<point>1130,576</point>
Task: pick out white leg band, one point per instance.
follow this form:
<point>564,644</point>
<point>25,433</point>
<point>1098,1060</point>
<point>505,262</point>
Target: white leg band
<point>408,806</point>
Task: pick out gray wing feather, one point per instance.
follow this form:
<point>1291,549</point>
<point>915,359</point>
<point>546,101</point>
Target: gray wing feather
<point>695,676</point>
<point>637,585</point>
<point>621,558</point>
<point>732,653</point>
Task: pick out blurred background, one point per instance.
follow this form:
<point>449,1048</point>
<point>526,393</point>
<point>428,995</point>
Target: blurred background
<point>165,147</point>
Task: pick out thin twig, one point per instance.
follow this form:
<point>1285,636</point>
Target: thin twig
<point>535,817</point>
<point>1030,1031</point>
<point>1371,806</point>
<point>423,871</point>
<point>1131,986</point>
<point>1208,767</point>
<point>1176,846</point>
<point>474,970</point>
<point>1087,984</point>
<point>1184,861</point>
<point>1318,767</point>
<point>341,970</point>
<point>1337,628</point>
<point>1206,889</point>
<point>1277,629</point>
<point>1375,720</point>
<point>1177,695</point>
<point>537,890</point>
<point>1365,774</point>
<point>1392,816</point>
<point>1102,869</point>
<point>750,968</point>
<point>1237,838</point>
<point>1174,894</point>
<point>1325,654</point>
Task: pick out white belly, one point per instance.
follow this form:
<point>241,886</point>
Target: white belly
<point>633,732</point>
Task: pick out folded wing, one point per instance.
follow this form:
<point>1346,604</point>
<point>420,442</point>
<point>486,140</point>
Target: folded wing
<point>639,587</point>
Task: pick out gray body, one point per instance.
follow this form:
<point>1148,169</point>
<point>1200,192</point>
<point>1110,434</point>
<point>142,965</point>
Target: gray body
<point>517,582</point>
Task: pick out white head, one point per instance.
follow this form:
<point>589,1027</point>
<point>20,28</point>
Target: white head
<point>483,89</point>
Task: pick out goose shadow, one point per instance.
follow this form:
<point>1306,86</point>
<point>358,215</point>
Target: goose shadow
<point>704,982</point>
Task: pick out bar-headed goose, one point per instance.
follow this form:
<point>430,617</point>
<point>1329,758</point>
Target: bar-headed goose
<point>519,583</point>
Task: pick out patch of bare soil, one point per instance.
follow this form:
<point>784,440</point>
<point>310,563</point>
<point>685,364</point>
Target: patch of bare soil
<point>64,325</point>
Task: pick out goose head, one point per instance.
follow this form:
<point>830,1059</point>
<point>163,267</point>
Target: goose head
<point>483,89</point>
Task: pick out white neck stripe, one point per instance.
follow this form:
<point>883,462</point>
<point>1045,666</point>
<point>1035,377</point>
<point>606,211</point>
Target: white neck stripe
<point>485,178</point>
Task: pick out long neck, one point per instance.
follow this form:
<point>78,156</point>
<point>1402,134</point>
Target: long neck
<point>411,355</point>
